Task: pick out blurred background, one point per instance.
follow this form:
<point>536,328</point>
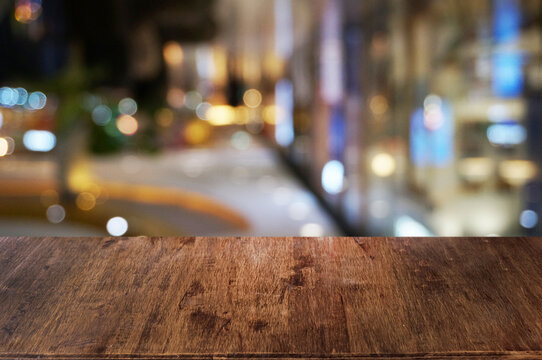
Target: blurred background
<point>275,117</point>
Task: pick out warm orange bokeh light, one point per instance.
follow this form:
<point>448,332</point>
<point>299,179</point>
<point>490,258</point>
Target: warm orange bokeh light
<point>173,53</point>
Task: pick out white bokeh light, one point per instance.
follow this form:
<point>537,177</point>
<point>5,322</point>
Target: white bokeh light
<point>333,177</point>
<point>127,106</point>
<point>39,140</point>
<point>311,229</point>
<point>117,226</point>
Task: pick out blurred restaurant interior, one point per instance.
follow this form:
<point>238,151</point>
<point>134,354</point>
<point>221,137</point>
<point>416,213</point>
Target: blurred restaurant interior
<point>271,117</point>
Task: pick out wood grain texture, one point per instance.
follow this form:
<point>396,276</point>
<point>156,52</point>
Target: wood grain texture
<point>192,298</point>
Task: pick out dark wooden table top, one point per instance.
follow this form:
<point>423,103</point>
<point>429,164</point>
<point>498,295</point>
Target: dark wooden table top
<point>164,298</point>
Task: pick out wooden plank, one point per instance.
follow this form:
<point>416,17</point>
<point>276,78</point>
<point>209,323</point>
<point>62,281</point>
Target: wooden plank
<point>164,298</point>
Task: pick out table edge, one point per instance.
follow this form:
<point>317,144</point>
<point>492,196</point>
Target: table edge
<point>474,355</point>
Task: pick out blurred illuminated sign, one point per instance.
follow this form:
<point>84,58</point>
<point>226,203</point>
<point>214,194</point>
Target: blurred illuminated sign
<point>432,133</point>
<point>507,63</point>
<point>284,100</point>
<point>337,132</point>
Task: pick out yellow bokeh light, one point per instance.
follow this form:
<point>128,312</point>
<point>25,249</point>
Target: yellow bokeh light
<point>85,201</point>
<point>173,53</point>
<point>79,176</point>
<point>4,147</point>
<point>383,165</point>
<point>517,172</point>
<point>197,132</point>
<point>127,125</point>
<point>220,115</point>
<point>164,117</point>
<point>252,98</point>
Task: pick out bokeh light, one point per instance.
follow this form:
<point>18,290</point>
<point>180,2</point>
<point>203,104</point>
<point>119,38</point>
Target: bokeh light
<point>476,169</point>
<point>101,115</point>
<point>197,132</point>
<point>55,213</point>
<point>4,146</point>
<point>517,172</point>
<point>333,177</point>
<point>27,11</point>
<point>383,165</point>
<point>506,134</point>
<point>528,219</point>
<point>220,115</point>
<point>176,98</point>
<point>37,100</point>
<point>117,226</point>
<point>22,96</point>
<point>127,106</point>
<point>173,53</point>
<point>8,97</point>
<point>252,98</point>
<point>85,201</point>
<point>432,100</point>
<point>202,110</point>
<point>433,116</point>
<point>242,117</point>
<point>39,140</point>
<point>127,125</point>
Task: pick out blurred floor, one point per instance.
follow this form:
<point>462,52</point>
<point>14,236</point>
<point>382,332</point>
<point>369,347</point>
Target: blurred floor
<point>251,181</point>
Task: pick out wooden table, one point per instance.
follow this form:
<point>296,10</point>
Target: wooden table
<point>189,298</point>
